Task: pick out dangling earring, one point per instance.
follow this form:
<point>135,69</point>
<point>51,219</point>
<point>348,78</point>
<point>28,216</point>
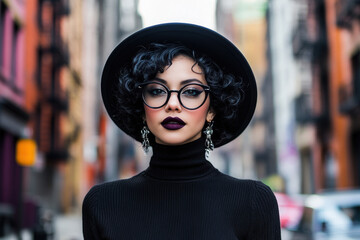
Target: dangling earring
<point>209,146</point>
<point>144,135</point>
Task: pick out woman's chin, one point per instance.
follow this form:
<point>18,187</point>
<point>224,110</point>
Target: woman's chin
<point>175,141</point>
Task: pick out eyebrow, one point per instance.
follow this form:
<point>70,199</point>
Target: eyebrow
<point>186,81</point>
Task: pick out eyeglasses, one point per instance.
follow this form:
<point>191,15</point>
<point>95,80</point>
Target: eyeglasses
<point>191,96</point>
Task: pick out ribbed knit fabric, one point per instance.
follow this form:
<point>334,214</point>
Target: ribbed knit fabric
<point>181,196</point>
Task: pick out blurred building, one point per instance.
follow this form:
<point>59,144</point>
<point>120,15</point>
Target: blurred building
<point>72,170</point>
<point>120,19</point>
<point>34,104</point>
<point>312,102</point>
<point>53,80</point>
<point>107,150</point>
<point>50,71</point>
<point>281,17</point>
<point>14,116</point>
<point>49,102</point>
<point>244,23</point>
<point>331,107</point>
<point>314,53</point>
<point>306,126</point>
<point>310,54</point>
<point>343,26</point>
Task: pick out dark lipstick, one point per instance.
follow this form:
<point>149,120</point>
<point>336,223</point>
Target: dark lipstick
<point>173,123</point>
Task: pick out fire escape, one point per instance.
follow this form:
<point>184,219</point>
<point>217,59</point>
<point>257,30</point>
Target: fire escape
<point>53,56</point>
<point>348,18</point>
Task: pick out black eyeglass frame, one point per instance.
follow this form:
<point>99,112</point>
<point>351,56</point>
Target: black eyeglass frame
<point>205,87</point>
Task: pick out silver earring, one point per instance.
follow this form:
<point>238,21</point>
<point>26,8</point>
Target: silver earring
<point>144,135</point>
<point>209,146</point>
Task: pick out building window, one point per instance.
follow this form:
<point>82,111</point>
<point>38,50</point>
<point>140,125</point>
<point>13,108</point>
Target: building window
<point>2,26</point>
<point>15,47</point>
<point>10,48</point>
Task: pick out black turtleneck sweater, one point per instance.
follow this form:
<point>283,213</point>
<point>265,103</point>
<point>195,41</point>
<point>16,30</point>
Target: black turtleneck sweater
<point>181,196</point>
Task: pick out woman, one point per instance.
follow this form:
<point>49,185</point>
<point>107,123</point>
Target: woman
<point>182,90</point>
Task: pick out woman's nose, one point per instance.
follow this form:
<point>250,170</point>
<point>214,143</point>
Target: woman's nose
<point>173,104</point>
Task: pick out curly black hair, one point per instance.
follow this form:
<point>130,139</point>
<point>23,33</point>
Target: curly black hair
<point>226,91</point>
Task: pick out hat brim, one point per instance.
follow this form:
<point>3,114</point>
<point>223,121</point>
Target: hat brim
<point>195,37</point>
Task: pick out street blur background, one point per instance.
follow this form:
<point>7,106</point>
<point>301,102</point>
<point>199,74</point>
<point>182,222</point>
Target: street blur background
<point>57,141</point>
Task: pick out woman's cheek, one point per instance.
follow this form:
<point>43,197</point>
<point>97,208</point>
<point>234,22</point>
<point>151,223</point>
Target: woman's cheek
<point>152,117</point>
<point>199,115</point>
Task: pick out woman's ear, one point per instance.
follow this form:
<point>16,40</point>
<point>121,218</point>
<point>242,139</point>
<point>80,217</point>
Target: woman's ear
<point>210,115</point>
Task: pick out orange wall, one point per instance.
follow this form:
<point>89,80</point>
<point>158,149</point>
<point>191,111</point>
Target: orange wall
<point>338,76</point>
<point>31,41</point>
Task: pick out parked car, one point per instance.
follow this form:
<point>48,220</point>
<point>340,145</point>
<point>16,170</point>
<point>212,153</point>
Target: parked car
<point>290,210</point>
<point>329,216</point>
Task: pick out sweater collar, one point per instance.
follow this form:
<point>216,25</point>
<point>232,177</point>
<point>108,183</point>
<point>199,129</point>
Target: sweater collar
<point>183,162</point>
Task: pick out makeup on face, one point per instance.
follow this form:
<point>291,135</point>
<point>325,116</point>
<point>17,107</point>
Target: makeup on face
<point>173,123</point>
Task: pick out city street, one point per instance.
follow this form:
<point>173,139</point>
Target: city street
<point>67,227</point>
<point>82,103</point>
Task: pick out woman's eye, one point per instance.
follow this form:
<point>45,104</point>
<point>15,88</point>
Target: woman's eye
<point>192,92</point>
<point>156,92</point>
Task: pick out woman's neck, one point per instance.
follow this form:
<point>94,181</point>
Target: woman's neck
<point>182,162</point>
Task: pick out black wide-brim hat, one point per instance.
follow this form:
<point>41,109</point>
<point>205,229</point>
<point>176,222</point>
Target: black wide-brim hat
<point>198,38</point>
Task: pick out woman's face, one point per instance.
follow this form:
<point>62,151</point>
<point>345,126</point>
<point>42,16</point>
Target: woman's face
<point>173,124</point>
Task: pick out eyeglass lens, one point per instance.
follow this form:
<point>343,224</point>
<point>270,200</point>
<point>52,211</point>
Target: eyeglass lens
<point>191,96</point>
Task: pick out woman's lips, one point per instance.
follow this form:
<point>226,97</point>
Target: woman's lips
<point>172,123</point>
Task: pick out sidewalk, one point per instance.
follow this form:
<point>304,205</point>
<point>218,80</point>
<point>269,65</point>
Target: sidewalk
<point>67,227</point>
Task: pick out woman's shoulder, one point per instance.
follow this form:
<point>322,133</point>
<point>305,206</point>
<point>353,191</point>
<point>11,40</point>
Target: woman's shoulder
<point>105,188</point>
<point>254,187</point>
<point>238,181</point>
<point>263,197</point>
<point>259,196</point>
